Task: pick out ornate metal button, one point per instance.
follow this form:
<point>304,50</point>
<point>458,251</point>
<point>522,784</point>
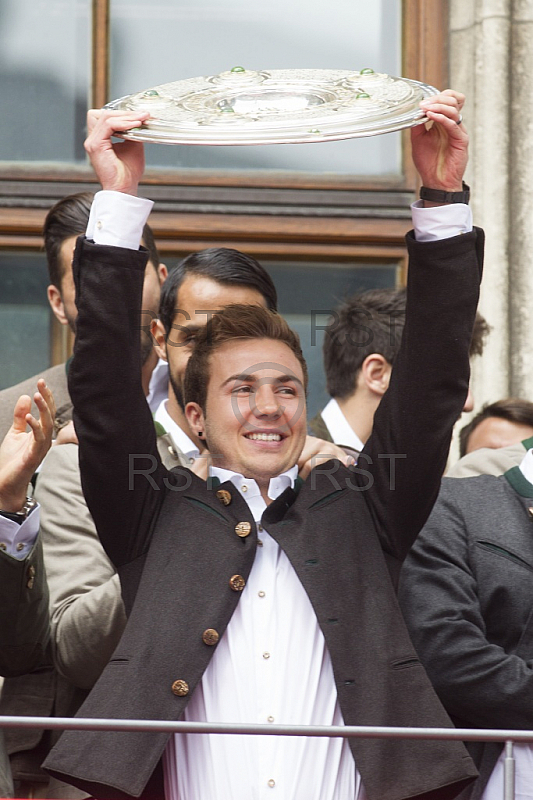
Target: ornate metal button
<point>180,688</point>
<point>243,529</point>
<point>237,583</point>
<point>210,636</point>
<point>224,496</point>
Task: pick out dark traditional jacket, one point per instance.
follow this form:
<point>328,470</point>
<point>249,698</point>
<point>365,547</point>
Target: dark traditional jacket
<point>174,545</point>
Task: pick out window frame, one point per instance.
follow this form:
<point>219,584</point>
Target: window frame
<point>295,215</point>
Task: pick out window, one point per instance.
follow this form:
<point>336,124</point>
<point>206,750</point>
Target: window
<point>340,205</point>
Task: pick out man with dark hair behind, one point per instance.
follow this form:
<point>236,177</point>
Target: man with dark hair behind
<point>65,221</point>
<point>500,424</point>
<point>360,345</point>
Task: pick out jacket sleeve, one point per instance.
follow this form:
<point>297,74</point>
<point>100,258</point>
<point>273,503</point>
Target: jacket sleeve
<point>405,457</point>
<point>24,617</point>
<point>86,608</point>
<point>479,683</point>
<point>123,479</point>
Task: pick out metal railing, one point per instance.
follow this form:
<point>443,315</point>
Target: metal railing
<point>509,737</point>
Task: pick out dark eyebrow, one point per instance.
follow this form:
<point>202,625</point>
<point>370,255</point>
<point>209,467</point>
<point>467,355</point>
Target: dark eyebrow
<point>250,378</point>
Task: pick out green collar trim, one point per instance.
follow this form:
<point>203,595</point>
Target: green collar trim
<point>519,482</point>
<point>212,483</point>
<point>528,443</point>
<point>159,429</point>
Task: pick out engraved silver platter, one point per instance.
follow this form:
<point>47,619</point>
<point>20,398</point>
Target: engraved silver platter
<point>242,107</point>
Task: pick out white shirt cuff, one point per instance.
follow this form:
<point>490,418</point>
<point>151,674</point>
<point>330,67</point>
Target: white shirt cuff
<point>17,540</point>
<point>440,222</point>
<point>118,219</point>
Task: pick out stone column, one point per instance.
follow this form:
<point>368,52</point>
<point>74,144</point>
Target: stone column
<point>491,61</point>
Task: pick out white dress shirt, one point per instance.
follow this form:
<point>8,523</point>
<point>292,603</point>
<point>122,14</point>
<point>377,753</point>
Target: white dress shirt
<point>271,665</point>
<point>339,428</point>
<point>158,386</point>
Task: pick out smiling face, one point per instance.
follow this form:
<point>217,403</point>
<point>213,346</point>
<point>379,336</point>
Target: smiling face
<point>255,412</point>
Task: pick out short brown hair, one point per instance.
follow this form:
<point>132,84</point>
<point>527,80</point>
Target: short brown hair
<point>512,409</point>
<point>371,322</point>
<point>231,323</point>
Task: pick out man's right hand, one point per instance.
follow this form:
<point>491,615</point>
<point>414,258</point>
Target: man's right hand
<point>22,451</point>
<point>119,166</point>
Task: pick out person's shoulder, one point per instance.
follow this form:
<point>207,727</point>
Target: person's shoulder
<point>488,461</point>
<point>474,494</point>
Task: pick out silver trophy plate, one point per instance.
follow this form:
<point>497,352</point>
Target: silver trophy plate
<point>241,107</point>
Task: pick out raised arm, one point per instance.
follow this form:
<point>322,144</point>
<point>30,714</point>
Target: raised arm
<point>122,476</point>
<point>407,451</point>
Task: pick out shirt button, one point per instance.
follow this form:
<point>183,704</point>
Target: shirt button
<point>261,594</point>
<point>191,460</point>
<point>3,546</point>
<point>270,719</point>
<point>260,528</point>
<point>260,543</point>
<point>20,546</point>
<point>266,655</point>
<point>244,488</point>
<point>99,225</point>
<point>272,783</point>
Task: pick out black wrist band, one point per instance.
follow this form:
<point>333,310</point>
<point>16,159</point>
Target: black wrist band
<point>441,196</point>
<point>23,514</point>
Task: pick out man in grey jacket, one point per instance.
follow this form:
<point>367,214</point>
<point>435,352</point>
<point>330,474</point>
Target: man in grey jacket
<point>466,592</point>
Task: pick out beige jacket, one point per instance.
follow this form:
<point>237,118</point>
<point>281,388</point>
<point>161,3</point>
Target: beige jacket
<point>87,615</point>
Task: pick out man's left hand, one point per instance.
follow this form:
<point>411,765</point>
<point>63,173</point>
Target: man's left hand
<point>318,451</point>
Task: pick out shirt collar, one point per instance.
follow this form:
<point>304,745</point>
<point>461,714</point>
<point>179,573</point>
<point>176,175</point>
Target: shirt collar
<point>340,429</point>
<point>158,387</point>
<point>181,442</point>
<point>249,488</point>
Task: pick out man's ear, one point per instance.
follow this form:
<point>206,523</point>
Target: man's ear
<point>159,336</point>
<point>162,273</point>
<point>375,373</point>
<point>195,418</point>
<point>56,304</point>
